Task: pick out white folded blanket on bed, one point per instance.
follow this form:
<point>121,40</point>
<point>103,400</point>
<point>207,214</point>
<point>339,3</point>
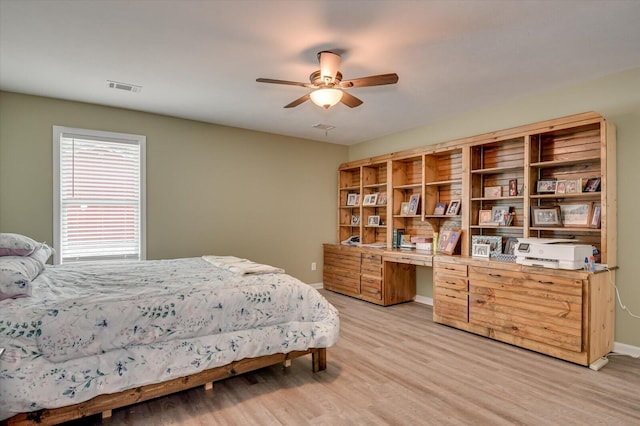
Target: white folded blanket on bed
<point>241,266</point>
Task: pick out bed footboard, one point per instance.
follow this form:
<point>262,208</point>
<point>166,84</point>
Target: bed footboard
<point>105,403</point>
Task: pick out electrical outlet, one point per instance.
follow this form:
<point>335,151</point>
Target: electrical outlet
<point>313,266</point>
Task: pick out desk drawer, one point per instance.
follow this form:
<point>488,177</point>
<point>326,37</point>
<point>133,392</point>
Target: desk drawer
<point>450,268</point>
<point>371,287</point>
<point>451,303</point>
<point>450,281</point>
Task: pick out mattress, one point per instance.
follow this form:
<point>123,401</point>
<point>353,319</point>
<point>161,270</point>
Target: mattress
<point>101,327</point>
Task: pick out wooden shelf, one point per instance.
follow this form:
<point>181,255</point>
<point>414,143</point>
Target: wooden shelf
<point>506,198</point>
<point>517,228</point>
<point>594,195</point>
<point>561,163</point>
<point>566,229</point>
<point>408,186</point>
<point>445,182</point>
<point>350,188</point>
<point>375,185</point>
<point>496,170</point>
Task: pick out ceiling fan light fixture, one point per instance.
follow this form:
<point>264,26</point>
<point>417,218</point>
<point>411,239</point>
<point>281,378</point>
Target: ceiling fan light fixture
<point>326,98</point>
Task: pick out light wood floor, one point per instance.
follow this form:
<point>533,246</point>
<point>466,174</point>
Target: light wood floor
<point>395,366</point>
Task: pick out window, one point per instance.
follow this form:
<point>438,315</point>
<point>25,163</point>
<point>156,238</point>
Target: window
<point>99,195</point>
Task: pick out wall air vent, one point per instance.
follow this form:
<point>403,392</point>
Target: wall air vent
<point>124,86</point>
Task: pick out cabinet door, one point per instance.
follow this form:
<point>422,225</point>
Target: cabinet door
<point>371,276</point>
<point>539,307</point>
<point>341,271</point>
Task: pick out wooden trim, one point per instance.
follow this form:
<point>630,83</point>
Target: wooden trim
<point>106,403</point>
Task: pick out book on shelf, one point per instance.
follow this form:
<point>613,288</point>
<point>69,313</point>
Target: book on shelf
<point>397,237</point>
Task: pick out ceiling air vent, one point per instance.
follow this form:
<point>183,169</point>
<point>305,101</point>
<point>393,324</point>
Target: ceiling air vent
<point>325,127</point>
<point>124,86</point>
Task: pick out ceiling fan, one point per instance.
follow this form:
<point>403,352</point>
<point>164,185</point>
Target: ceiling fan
<point>329,88</point>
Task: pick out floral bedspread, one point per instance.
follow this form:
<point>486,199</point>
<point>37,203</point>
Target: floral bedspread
<point>102,327</point>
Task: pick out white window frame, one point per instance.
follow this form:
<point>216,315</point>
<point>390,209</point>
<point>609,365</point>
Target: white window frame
<point>141,140</point>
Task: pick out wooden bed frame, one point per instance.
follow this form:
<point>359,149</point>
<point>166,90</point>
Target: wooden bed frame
<point>106,403</point>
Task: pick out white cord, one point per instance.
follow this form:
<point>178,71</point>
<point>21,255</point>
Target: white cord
<point>622,305</point>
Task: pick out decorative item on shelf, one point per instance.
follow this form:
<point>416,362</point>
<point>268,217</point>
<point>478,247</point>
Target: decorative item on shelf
<point>502,215</point>
<point>423,244</point>
<point>352,241</point>
<point>382,199</point>
<point>452,241</point>
<point>510,246</point>
<point>492,192</point>
<point>481,250</point>
<point>454,208</point>
<point>357,200</point>
<point>397,237</point>
<point>592,185</point>
<point>414,201</point>
<point>352,199</point>
<point>547,186</point>
<point>404,209</point>
<point>355,220</point>
<point>442,241</point>
<point>546,216</point>
<point>405,241</point>
<point>513,187</point>
<point>485,218</point>
<point>561,187</point>
<point>595,217</point>
<point>495,242</point>
<point>373,220</point>
<point>440,208</point>
<point>503,257</point>
<point>576,214</point>
<point>573,186</point>
<point>370,199</point>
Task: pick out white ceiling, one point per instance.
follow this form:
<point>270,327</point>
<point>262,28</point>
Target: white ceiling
<point>199,59</point>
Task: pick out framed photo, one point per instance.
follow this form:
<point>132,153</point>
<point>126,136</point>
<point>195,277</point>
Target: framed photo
<point>492,192</point>
<point>595,217</point>
<point>452,242</point>
<point>374,221</point>
<point>355,220</point>
<point>510,246</point>
<point>481,250</point>
<point>500,214</point>
<point>513,187</point>
<point>382,199</point>
<point>546,216</point>
<point>561,187</point>
<point>370,199</point>
<point>546,186</point>
<point>454,208</point>
<point>576,214</point>
<point>440,208</point>
<point>573,186</point>
<point>592,185</point>
<point>404,209</point>
<point>486,218</point>
<point>414,201</point>
<point>352,199</point>
<point>442,241</point>
<point>495,242</point>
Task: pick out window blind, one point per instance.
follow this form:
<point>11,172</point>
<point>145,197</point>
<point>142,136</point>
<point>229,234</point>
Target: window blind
<point>100,198</point>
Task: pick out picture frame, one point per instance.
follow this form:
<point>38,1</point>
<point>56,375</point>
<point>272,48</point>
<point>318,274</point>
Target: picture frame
<point>500,215</point>
<point>576,214</point>
<point>370,199</point>
<point>373,220</point>
<point>592,185</point>
<point>595,217</point>
<point>442,241</point>
<point>382,199</point>
<point>414,202</point>
<point>452,241</point>
<point>561,187</point>
<point>454,208</point>
<point>510,246</point>
<point>481,250</point>
<point>440,209</point>
<point>546,216</point>
<point>355,220</point>
<point>404,209</point>
<point>494,241</point>
<point>547,186</point>
<point>492,192</point>
<point>352,199</point>
<point>485,218</point>
<point>513,187</point>
<point>573,186</point>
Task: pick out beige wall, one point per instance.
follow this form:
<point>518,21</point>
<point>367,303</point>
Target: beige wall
<point>210,189</point>
<point>617,98</point>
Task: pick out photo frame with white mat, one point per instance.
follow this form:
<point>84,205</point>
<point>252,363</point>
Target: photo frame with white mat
<point>481,250</point>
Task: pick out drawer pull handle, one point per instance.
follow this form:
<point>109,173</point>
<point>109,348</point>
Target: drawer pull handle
<point>545,282</point>
<point>495,275</point>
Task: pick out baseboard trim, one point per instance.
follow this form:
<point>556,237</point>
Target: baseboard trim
<point>424,300</point>
<point>317,285</point>
<point>624,349</point>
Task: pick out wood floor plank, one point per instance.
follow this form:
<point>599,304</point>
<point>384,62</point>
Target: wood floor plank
<point>394,365</point>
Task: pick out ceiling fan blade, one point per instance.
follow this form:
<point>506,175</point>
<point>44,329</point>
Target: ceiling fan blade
<point>374,80</point>
<point>350,100</point>
<point>329,65</point>
<point>291,83</point>
<point>298,101</point>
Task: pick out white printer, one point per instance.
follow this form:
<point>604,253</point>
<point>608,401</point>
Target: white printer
<point>554,253</point>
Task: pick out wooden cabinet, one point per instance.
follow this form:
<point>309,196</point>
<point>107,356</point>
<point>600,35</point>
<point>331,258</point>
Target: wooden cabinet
<point>362,273</point>
<point>566,314</point>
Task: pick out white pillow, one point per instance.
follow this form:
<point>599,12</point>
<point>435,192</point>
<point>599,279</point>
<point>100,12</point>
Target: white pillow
<point>16,245</point>
<point>16,273</point>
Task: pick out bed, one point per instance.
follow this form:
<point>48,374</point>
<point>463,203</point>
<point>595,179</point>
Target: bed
<point>93,336</point>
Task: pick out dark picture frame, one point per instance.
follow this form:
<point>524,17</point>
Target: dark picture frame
<point>546,216</point>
